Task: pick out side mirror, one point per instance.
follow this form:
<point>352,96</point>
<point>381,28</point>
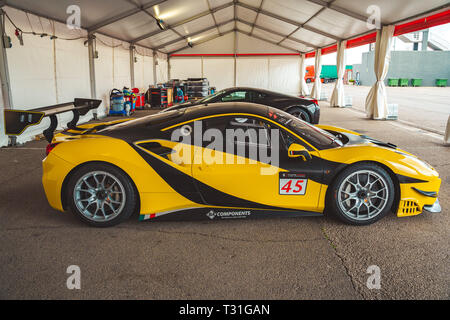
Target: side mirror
<point>296,150</point>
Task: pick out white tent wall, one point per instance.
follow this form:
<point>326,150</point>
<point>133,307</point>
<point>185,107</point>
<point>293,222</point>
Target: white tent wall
<point>143,68</point>
<point>252,72</point>
<point>148,71</point>
<point>183,68</point>
<point>284,75</point>
<point>138,67</point>
<point>121,65</point>
<point>31,66</point>
<point>161,71</point>
<point>104,73</point>
<point>161,68</point>
<point>72,70</point>
<point>272,73</point>
<point>219,71</point>
<point>280,74</point>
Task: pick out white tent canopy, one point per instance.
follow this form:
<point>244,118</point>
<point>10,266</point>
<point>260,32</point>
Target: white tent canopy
<point>299,25</point>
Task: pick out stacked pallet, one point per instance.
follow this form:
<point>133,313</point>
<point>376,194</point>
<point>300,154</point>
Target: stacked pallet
<point>197,88</point>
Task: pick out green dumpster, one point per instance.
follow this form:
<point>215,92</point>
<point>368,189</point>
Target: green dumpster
<point>441,82</point>
<point>403,82</point>
<point>392,82</point>
<point>416,82</point>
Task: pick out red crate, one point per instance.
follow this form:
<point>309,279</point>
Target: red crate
<point>140,100</point>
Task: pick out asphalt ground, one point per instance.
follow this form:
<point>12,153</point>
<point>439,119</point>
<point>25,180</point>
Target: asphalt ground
<point>289,258</point>
<point>425,107</point>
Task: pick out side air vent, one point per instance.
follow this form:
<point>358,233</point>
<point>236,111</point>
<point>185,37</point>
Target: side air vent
<point>408,208</point>
<point>155,147</point>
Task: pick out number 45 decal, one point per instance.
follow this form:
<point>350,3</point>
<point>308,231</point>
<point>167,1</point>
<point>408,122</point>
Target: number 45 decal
<point>293,186</point>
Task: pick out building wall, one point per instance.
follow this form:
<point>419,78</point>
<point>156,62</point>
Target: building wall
<point>425,65</point>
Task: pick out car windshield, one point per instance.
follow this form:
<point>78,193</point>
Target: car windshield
<point>319,138</point>
<point>211,97</point>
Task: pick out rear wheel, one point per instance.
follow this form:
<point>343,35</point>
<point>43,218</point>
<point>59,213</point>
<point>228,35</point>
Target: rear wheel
<point>300,113</point>
<point>362,194</point>
<point>101,195</point>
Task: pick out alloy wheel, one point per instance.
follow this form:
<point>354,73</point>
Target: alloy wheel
<point>363,195</point>
<point>99,196</point>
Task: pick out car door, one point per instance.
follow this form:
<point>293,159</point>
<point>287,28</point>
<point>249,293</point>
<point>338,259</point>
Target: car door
<point>264,179</point>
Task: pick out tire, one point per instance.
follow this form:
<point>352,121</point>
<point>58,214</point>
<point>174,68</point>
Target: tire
<point>308,80</point>
<point>114,211</point>
<point>300,113</point>
<point>366,202</point>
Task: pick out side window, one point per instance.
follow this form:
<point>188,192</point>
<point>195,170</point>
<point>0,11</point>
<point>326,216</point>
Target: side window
<point>240,131</point>
<point>256,132</point>
<point>259,96</point>
<point>235,96</point>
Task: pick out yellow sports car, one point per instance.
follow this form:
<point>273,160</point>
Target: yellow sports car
<point>222,161</point>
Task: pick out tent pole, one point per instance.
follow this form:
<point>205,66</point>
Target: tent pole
<point>132,66</point>
<point>155,82</point>
<point>168,67</point>
<point>91,51</point>
<point>235,61</point>
<point>4,72</point>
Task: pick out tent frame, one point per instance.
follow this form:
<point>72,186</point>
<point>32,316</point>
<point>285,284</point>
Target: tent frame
<point>234,3</point>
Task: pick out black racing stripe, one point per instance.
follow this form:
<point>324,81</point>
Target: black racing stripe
<point>406,179</point>
<point>431,194</point>
<point>180,182</point>
<point>221,199</point>
<point>188,187</point>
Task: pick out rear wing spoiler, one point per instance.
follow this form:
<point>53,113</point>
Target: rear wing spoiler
<point>16,121</point>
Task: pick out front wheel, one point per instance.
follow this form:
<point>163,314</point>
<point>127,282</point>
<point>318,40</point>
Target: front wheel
<point>101,195</point>
<point>362,194</point>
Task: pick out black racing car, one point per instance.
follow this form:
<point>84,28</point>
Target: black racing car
<point>306,109</point>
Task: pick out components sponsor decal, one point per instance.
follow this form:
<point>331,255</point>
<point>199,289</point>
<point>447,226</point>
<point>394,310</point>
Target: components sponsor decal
<point>292,183</point>
<point>214,213</point>
<point>228,214</point>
